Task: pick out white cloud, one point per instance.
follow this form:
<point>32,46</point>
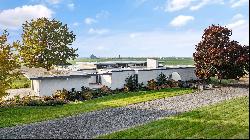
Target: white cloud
<point>90,21</point>
<point>236,24</point>
<point>158,8</point>
<point>241,33</point>
<point>14,18</point>
<point>76,24</point>
<point>151,43</point>
<point>140,2</point>
<point>240,29</point>
<point>204,3</point>
<point>181,20</point>
<point>100,48</point>
<point>134,35</point>
<point>237,21</point>
<point>237,16</point>
<point>71,6</point>
<point>98,31</point>
<point>201,4</point>
<point>102,14</point>
<point>53,1</point>
<point>175,5</point>
<point>238,3</point>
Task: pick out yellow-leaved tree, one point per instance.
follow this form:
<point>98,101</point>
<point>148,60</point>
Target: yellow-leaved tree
<point>46,43</point>
<point>9,63</point>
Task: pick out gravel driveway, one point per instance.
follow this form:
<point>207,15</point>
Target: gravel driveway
<point>21,92</point>
<point>92,124</point>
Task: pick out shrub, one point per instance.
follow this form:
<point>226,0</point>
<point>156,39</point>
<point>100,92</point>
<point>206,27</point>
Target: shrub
<point>55,102</point>
<point>162,86</point>
<point>32,101</point>
<point>172,83</point>
<point>96,93</point>
<point>72,95</point>
<point>152,85</point>
<point>161,79</point>
<point>105,90</point>
<point>132,83</point>
<point>87,95</point>
<point>61,94</point>
<point>126,88</point>
<point>83,88</point>
<point>47,98</point>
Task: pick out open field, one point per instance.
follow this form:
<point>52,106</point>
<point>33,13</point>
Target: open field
<point>164,61</point>
<point>22,82</point>
<point>225,120</point>
<point>28,114</point>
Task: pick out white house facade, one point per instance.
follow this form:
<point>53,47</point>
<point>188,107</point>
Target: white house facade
<point>114,79</point>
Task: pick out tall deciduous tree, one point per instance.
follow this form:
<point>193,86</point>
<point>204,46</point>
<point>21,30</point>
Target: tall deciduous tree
<point>9,63</point>
<point>46,43</point>
<point>217,56</point>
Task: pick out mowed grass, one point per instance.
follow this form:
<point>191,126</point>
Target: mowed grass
<point>225,120</point>
<point>21,82</point>
<point>177,61</point>
<point>164,61</point>
<point>28,114</point>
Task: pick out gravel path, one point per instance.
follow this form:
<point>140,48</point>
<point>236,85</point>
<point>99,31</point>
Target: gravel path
<point>21,92</point>
<point>92,124</point>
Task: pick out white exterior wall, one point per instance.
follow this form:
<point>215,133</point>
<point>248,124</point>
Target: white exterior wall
<point>187,74</point>
<point>106,80</point>
<point>50,86</point>
<point>92,79</point>
<point>36,85</point>
<point>145,75</point>
<point>152,63</point>
<point>118,78</point>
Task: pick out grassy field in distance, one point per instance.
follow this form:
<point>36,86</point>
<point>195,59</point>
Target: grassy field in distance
<point>162,60</point>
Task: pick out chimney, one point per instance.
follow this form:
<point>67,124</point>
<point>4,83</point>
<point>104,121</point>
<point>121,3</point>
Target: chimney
<point>152,63</point>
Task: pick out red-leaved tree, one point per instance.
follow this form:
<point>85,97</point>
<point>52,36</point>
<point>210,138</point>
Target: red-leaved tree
<point>217,55</point>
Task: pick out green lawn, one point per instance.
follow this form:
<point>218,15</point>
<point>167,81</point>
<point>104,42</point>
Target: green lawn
<point>28,114</point>
<point>216,81</point>
<point>22,82</point>
<point>164,61</point>
<point>225,120</point>
<point>177,61</point>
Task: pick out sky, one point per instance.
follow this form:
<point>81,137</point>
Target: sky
<point>132,28</point>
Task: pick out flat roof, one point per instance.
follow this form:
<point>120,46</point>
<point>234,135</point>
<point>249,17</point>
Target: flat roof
<point>113,62</point>
<point>36,75</point>
<point>120,62</point>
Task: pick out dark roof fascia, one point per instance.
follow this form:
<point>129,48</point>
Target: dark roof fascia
<point>94,74</point>
<point>57,77</point>
<point>121,70</point>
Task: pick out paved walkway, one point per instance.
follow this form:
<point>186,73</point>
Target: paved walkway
<point>90,125</point>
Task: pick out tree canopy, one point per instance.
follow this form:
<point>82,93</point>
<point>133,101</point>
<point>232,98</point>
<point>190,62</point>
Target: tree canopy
<point>46,43</point>
<point>217,55</point>
<point>9,63</point>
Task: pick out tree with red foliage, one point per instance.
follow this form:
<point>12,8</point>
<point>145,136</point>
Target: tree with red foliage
<point>217,56</point>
